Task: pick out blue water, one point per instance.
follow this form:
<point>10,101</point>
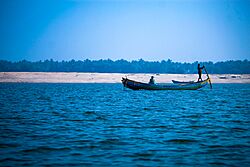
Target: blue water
<point>104,125</point>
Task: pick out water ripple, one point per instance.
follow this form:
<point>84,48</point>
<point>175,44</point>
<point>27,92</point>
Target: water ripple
<point>104,125</point>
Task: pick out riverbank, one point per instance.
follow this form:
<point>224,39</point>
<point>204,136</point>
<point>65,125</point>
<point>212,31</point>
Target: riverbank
<point>74,77</point>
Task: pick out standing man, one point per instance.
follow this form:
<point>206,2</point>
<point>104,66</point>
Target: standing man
<point>200,72</point>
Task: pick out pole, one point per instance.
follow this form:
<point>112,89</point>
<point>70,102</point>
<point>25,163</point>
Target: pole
<point>208,77</point>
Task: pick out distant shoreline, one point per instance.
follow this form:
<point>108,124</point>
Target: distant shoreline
<point>76,77</point>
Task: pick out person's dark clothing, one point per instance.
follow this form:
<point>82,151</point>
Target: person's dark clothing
<point>152,81</point>
<point>200,72</point>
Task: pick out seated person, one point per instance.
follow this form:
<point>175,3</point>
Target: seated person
<point>152,81</point>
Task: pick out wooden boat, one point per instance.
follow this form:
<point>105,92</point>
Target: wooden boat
<point>134,85</point>
<point>182,82</point>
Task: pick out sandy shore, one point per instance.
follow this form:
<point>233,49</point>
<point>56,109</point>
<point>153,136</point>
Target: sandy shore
<point>73,77</point>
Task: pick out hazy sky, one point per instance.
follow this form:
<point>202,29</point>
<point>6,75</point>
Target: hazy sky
<point>185,30</point>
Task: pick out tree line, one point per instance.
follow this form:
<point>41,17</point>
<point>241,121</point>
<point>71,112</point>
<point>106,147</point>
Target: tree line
<point>124,66</point>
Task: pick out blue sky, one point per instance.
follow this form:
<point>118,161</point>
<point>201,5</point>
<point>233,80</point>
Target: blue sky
<point>181,30</point>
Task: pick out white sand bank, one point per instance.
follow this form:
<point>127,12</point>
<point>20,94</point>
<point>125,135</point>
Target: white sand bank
<point>73,77</point>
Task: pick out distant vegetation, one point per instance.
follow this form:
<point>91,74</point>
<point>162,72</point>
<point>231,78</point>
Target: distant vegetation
<point>123,66</point>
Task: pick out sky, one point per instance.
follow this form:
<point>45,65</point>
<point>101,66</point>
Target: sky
<point>154,30</point>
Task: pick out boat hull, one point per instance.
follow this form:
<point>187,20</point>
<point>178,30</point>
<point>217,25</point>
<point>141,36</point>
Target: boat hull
<point>134,85</point>
<point>182,82</point>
